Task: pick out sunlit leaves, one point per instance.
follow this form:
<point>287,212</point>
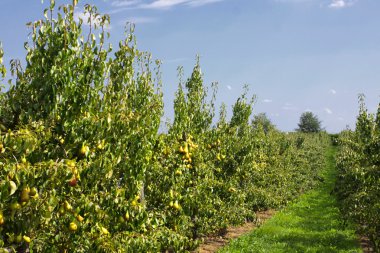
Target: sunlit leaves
<point>79,139</point>
<point>359,180</point>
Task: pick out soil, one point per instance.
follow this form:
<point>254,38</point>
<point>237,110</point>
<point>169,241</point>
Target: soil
<point>365,243</point>
<point>213,243</point>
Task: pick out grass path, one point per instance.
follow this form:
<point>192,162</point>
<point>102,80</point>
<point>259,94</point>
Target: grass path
<point>311,224</point>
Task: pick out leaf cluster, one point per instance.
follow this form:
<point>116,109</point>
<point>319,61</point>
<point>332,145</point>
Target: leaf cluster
<point>359,179</point>
<point>83,167</point>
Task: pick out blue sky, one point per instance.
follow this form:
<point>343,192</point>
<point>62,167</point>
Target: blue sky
<point>295,55</point>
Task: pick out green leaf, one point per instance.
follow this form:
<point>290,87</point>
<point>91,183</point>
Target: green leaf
<point>52,4</point>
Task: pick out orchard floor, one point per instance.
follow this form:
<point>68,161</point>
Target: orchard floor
<point>311,224</point>
<point>214,243</point>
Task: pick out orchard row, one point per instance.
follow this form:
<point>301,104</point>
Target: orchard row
<point>84,168</point>
<point>358,184</point>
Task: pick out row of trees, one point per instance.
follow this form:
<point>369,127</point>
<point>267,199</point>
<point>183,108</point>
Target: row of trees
<point>83,167</point>
<point>358,185</point>
<point>309,122</point>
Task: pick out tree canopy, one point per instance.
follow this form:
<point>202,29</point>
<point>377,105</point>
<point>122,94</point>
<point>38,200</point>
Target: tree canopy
<point>262,120</point>
<point>309,123</point>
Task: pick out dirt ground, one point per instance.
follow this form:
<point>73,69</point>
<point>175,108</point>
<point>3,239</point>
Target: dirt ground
<point>366,245</point>
<point>212,244</point>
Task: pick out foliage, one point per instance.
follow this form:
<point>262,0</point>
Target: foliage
<point>84,169</point>
<point>312,223</point>
<point>309,123</point>
<point>334,139</point>
<point>358,186</point>
<point>262,120</point>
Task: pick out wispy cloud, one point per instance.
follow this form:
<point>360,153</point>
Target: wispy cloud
<point>125,3</point>
<point>138,20</point>
<point>161,4</point>
<point>289,107</point>
<point>87,19</point>
<point>229,87</point>
<point>267,100</point>
<point>328,110</point>
<point>332,91</point>
<point>339,4</point>
<point>293,1</point>
<point>202,2</point>
<point>333,4</point>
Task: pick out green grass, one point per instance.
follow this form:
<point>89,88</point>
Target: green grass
<point>311,224</point>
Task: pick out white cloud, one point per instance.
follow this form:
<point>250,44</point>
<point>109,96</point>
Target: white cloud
<point>87,20</point>
<point>339,4</point>
<point>340,118</point>
<point>161,4</point>
<point>333,4</point>
<point>293,1</point>
<point>229,87</point>
<point>289,107</point>
<point>125,3</point>
<point>332,91</point>
<point>267,100</point>
<point>328,110</point>
<point>197,3</point>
